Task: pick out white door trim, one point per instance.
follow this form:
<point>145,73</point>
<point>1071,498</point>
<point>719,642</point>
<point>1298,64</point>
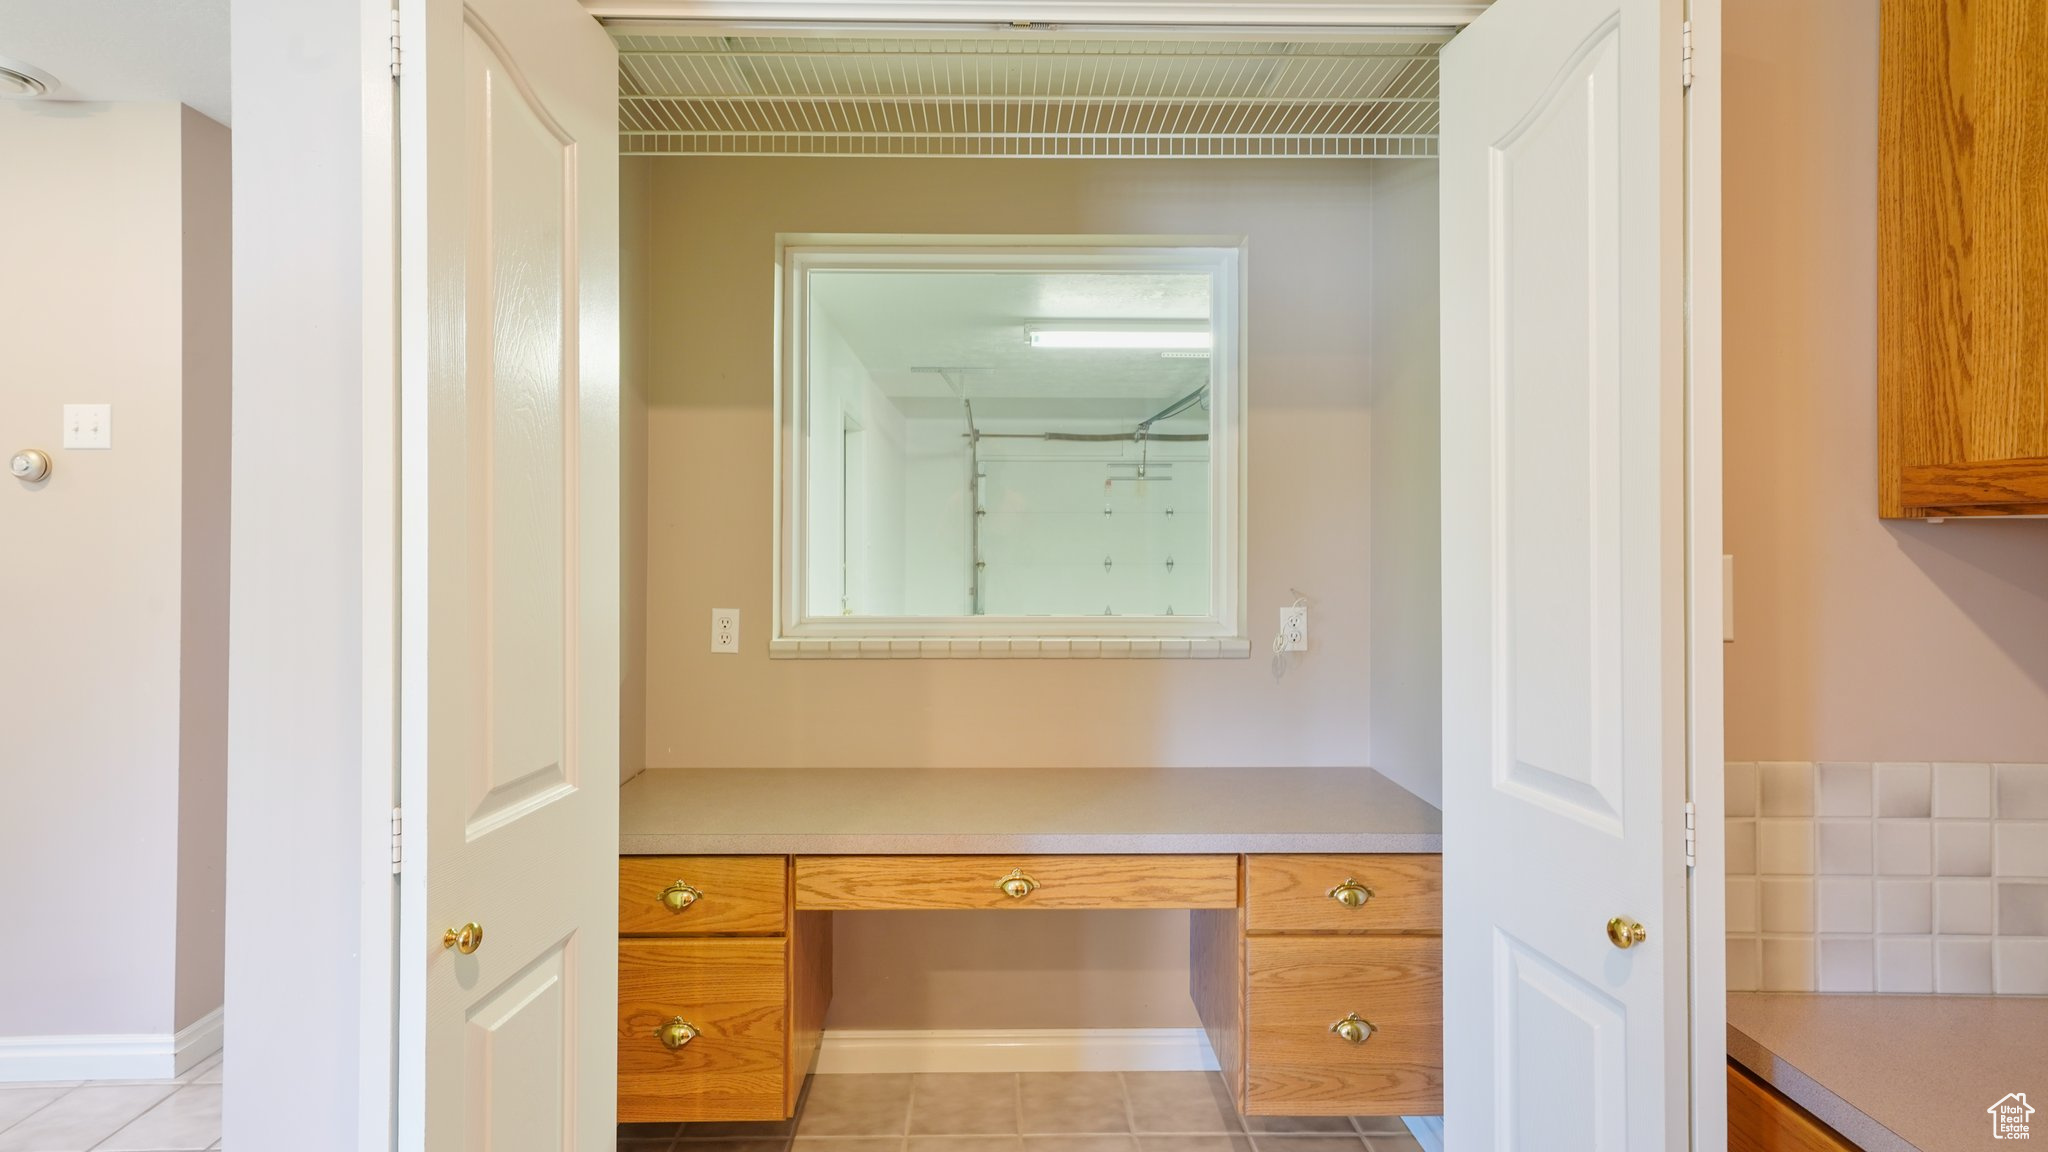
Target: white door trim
<point>1707,991</point>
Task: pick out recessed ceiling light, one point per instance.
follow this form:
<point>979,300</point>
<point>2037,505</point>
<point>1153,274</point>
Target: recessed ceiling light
<point>18,81</point>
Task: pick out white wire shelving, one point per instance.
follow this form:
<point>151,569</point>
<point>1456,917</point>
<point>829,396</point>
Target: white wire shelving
<point>1045,96</point>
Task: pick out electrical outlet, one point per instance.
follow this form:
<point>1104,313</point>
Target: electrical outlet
<point>1294,628</point>
<point>725,629</point>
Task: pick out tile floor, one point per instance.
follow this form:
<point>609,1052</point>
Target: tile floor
<point>181,1115</point>
<point>1031,1112</point>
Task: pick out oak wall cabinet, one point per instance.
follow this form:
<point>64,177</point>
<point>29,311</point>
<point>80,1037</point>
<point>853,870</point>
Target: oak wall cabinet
<point>1963,259</point>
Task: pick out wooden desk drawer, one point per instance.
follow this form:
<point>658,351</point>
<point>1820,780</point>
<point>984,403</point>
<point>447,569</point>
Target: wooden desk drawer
<point>1297,987</point>
<point>841,883</point>
<point>727,895</point>
<point>1298,893</point>
<point>733,993</point>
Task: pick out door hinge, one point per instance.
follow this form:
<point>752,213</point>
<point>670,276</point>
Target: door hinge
<point>1684,56</point>
<point>397,840</point>
<point>1692,835</point>
<point>396,59</point>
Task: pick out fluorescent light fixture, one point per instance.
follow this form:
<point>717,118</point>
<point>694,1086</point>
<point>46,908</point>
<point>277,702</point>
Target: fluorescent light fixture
<point>1119,338</point>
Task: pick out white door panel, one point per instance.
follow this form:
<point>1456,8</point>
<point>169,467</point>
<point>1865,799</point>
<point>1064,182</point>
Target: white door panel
<point>509,635</point>
<point>1563,505</point>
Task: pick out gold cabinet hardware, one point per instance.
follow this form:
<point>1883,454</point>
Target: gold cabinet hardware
<point>1351,893</point>
<point>1626,933</point>
<point>1353,1030</point>
<point>465,939</point>
<point>676,1033</point>
<point>679,896</point>
<point>1017,885</point>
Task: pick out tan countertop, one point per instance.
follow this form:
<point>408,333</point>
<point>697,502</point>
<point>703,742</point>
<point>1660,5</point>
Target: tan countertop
<point>982,811</point>
<point>1897,1073</point>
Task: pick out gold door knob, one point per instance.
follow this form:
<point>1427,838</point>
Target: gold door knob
<point>1017,885</point>
<point>676,1033</point>
<point>1351,893</point>
<point>465,939</point>
<point>679,896</point>
<point>1626,933</point>
<point>1353,1030</point>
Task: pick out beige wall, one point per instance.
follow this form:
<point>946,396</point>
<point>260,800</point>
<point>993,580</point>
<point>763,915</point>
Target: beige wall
<point>113,692</point>
<point>1856,639</point>
<point>636,181</point>
<point>711,479</point>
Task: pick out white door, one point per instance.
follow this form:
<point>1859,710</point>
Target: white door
<point>508,161</point>
<point>1564,530</point>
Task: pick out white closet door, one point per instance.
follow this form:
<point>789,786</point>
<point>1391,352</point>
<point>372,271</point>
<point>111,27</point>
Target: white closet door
<point>510,618</point>
<point>1564,530</point>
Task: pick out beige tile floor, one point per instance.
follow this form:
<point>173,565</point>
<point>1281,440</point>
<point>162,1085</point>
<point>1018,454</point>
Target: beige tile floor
<point>181,1115</point>
<point>1031,1112</point>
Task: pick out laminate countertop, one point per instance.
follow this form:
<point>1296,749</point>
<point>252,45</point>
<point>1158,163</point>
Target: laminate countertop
<point>1897,1073</point>
<point>1014,811</point>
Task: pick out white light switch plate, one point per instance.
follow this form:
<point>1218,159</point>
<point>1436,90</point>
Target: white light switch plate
<point>88,425</point>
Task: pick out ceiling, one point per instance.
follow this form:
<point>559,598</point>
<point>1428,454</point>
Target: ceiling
<point>973,324</point>
<point>124,49</point>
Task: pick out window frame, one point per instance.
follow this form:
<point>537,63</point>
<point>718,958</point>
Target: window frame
<point>1220,632</point>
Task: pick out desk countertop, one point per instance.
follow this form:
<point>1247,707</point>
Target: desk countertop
<point>1896,1073</point>
<point>1009,811</point>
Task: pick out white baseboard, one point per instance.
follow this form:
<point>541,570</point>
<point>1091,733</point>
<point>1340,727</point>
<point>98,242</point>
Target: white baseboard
<point>1018,1050</point>
<point>1427,1130</point>
<point>141,1056</point>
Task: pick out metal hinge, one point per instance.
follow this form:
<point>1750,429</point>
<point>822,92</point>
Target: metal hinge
<point>1692,836</point>
<point>397,840</point>
<point>1685,56</point>
<point>396,59</point>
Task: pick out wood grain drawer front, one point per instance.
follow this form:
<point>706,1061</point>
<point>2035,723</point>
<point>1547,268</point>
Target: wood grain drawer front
<point>720,895</point>
<point>839,883</point>
<point>1297,987</point>
<point>1402,893</point>
<point>732,993</point>
<point>1761,1119</point>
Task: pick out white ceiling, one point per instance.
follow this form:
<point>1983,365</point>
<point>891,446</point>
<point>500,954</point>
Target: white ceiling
<point>897,322</point>
<point>125,49</point>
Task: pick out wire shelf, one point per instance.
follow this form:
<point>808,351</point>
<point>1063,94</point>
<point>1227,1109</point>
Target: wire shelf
<point>795,96</point>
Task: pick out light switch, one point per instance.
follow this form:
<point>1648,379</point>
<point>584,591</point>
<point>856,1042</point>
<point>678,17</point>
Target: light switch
<point>88,426</point>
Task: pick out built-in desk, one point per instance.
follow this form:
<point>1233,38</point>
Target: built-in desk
<point>1316,903</point>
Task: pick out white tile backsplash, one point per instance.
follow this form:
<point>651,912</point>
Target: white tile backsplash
<point>1904,790</point>
<point>1904,877</point>
<point>1847,964</point>
<point>1962,967</point>
<point>2019,849</point>
<point>1843,904</point>
<point>1843,847</point>
<point>1785,789</point>
<point>1905,848</point>
<point>1905,964</point>
<point>1843,790</point>
<point>1962,791</point>
<point>1784,847</point>
<point>1962,907</point>
<point>1962,848</point>
<point>2023,791</point>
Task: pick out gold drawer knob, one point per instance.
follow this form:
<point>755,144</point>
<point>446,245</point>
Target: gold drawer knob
<point>1017,885</point>
<point>676,1033</point>
<point>465,939</point>
<point>1625,933</point>
<point>1353,1030</point>
<point>1351,893</point>
<point>679,896</point>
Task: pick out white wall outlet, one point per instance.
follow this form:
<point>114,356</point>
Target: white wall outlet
<point>1294,628</point>
<point>88,425</point>
<point>725,629</point>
